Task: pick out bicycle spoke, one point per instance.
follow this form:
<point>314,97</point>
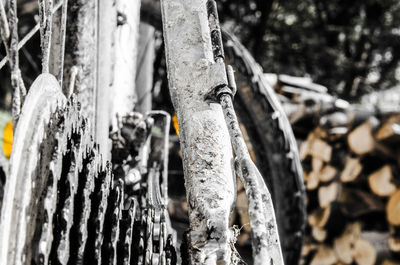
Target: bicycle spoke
<point>21,43</point>
<point>72,80</point>
<point>46,19</point>
<point>4,22</point>
<point>28,36</point>
<point>57,41</point>
<point>63,28</point>
<point>10,38</point>
<point>30,59</point>
<point>17,83</point>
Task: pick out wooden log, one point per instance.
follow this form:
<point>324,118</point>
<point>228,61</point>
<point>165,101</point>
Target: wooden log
<point>320,132</point>
<point>243,239</point>
<point>337,133</point>
<point>316,147</point>
<point>380,181</point>
<point>305,146</point>
<point>364,252</point>
<point>319,217</point>
<point>361,140</point>
<point>319,234</point>
<point>312,180</point>
<point>394,244</point>
<point>394,118</point>
<point>242,209</point>
<point>355,203</point>
<point>239,186</point>
<point>324,256</point>
<point>317,164</point>
<point>303,84</point>
<point>389,133</point>
<point>178,209</point>
<point>303,150</point>
<point>351,170</point>
<point>321,150</point>
<point>336,119</point>
<point>379,239</point>
<point>328,194</point>
<point>308,249</point>
<point>344,245</point>
<point>393,209</point>
<point>327,173</point>
<point>390,262</point>
<point>330,218</point>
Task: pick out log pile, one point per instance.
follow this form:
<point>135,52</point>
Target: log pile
<point>351,162</point>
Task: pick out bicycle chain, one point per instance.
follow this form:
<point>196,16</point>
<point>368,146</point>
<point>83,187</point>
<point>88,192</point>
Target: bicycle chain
<point>154,233</point>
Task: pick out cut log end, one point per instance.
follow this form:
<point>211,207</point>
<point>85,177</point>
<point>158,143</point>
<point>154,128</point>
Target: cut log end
<point>389,132</point>
<point>319,217</point>
<point>312,180</point>
<point>361,140</point>
<point>364,252</point>
<point>351,170</point>
<point>328,194</point>
<point>344,245</point>
<point>319,234</point>
<point>380,182</point>
<point>324,256</point>
<point>327,173</point>
<point>393,209</point>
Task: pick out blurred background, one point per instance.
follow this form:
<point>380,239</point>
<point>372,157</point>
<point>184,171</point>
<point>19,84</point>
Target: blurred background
<point>351,47</point>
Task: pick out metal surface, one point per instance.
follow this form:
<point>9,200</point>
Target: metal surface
<point>152,240</point>
<point>265,237</point>
<point>73,211</point>
<point>23,183</point>
<point>107,25</point>
<point>126,48</point>
<point>64,207</point>
<point>206,148</point>
<point>264,229</point>
<point>81,52</point>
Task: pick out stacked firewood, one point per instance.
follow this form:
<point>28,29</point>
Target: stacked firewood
<point>351,161</point>
<point>353,194</point>
<point>352,187</point>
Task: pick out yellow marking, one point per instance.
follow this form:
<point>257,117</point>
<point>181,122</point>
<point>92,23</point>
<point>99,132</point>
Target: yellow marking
<point>7,139</point>
<point>175,123</point>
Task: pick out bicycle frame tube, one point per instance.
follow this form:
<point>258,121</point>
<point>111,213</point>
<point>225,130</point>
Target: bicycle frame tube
<point>205,142</point>
<point>107,24</point>
<point>126,48</point>
<point>81,52</point>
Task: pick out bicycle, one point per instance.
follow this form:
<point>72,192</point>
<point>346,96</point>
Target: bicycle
<point>75,133</point>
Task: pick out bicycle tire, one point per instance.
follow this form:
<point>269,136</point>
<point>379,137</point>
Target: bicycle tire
<point>282,170</point>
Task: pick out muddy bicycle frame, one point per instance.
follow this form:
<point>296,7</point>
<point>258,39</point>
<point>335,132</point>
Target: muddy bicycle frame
<point>202,91</point>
